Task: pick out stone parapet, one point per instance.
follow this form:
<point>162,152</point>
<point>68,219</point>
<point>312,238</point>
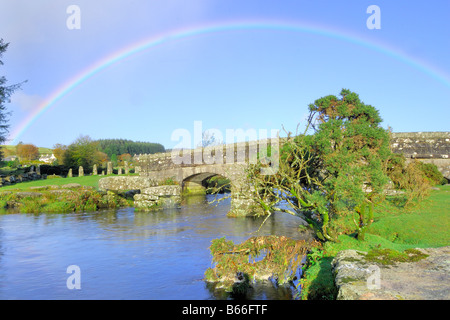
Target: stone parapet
<point>125,183</point>
<point>422,145</point>
<point>427,147</point>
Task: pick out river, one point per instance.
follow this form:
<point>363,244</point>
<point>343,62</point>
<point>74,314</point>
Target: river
<point>122,254</point>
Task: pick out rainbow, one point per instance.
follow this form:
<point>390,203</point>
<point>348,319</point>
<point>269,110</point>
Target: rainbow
<point>178,34</point>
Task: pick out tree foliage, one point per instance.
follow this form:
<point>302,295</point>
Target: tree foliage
<point>82,152</point>
<point>58,151</point>
<point>337,172</point>
<point>27,151</point>
<point>5,93</point>
<point>123,146</point>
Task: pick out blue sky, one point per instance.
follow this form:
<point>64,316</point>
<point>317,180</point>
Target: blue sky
<point>242,78</point>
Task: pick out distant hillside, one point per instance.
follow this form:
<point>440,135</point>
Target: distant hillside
<point>108,146</point>
<point>121,146</point>
<point>11,150</point>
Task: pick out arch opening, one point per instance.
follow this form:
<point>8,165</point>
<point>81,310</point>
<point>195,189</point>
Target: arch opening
<point>206,183</point>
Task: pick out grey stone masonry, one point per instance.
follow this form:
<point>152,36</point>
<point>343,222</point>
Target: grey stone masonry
<point>191,167</point>
<point>159,197</point>
<point>422,145</point>
<point>425,279</point>
<point>427,147</point>
<point>125,183</point>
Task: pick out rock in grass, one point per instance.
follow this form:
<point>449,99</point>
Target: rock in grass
<point>61,191</point>
<point>415,274</point>
<point>22,195</point>
<point>39,188</point>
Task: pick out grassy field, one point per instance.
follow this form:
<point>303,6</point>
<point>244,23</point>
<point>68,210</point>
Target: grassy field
<point>70,198</point>
<point>423,226</point>
<point>89,181</point>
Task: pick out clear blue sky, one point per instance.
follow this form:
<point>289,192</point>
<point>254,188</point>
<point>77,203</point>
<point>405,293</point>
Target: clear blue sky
<point>235,79</point>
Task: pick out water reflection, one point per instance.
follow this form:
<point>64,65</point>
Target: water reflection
<point>124,254</point>
<point>265,290</point>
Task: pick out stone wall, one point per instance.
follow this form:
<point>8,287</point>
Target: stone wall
<point>428,147</point>
<point>125,183</point>
<point>159,197</point>
<point>31,176</point>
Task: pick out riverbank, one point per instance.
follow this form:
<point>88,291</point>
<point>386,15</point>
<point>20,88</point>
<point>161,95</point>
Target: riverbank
<point>394,230</point>
<point>60,195</point>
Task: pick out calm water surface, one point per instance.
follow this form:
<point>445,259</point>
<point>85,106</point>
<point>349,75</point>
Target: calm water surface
<point>124,254</point>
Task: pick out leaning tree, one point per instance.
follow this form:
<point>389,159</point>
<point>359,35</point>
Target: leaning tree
<point>334,175</point>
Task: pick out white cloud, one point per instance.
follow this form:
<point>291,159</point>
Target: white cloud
<point>25,101</point>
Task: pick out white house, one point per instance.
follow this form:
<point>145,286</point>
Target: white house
<point>47,158</point>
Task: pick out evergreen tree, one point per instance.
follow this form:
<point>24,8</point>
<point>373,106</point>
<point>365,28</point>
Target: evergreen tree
<point>5,94</point>
<point>336,173</point>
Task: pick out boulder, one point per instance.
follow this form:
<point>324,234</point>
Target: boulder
<point>425,275</point>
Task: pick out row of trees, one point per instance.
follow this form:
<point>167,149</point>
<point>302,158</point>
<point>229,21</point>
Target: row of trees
<point>122,146</point>
<point>86,152</point>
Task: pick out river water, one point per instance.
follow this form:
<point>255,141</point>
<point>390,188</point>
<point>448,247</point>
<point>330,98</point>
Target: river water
<point>122,254</point>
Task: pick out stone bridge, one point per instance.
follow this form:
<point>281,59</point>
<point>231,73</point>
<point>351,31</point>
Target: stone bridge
<point>428,147</point>
<point>190,168</point>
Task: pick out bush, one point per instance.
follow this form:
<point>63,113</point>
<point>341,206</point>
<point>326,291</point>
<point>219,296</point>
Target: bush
<point>414,178</point>
<point>434,176</point>
<point>168,182</point>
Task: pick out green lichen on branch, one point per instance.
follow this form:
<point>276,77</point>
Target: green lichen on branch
<point>258,258</point>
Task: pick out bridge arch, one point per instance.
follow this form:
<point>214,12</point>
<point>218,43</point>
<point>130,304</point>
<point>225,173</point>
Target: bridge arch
<point>198,183</point>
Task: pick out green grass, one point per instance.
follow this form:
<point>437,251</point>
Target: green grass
<point>426,225</point>
<point>85,198</point>
<point>88,181</point>
<point>394,228</point>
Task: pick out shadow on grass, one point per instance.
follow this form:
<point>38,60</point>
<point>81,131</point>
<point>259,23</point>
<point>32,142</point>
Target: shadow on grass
<point>322,286</point>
